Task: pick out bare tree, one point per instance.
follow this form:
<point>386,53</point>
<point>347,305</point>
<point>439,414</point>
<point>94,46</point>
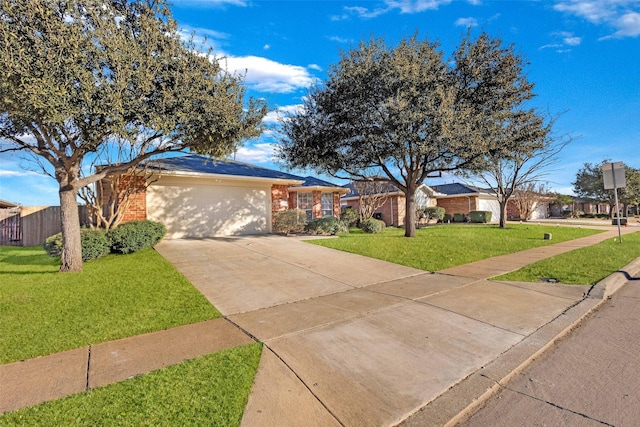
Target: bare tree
<point>109,199</point>
<point>528,197</point>
<point>507,171</point>
<point>372,195</point>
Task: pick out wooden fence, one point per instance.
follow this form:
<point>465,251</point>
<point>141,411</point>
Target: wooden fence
<point>30,226</point>
<point>10,230</point>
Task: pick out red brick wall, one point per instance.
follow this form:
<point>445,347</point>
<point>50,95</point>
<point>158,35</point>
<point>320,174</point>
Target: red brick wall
<point>317,204</point>
<point>393,210</point>
<point>513,211</point>
<point>137,200</point>
<point>280,198</point>
<point>336,205</point>
<point>293,200</point>
<point>463,204</point>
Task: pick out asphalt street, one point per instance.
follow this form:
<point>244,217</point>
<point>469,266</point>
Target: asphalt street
<point>590,378</point>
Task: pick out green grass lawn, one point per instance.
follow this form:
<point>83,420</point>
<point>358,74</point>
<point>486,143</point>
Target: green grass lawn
<point>585,266</point>
<point>211,390</point>
<point>43,311</point>
<point>439,247</point>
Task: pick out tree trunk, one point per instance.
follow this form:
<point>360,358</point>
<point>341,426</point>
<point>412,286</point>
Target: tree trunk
<point>410,213</point>
<point>71,257</point>
<point>503,213</point>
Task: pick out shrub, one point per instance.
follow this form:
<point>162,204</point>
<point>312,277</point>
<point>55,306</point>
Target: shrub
<point>458,217</point>
<point>95,244</point>
<point>135,235</point>
<point>53,245</point>
<point>350,216</point>
<point>480,216</point>
<point>434,212</point>
<point>372,225</point>
<point>447,218</point>
<point>327,225</point>
<point>289,221</point>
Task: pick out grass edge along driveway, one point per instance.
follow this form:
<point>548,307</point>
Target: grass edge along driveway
<point>43,311</point>
<point>439,247</point>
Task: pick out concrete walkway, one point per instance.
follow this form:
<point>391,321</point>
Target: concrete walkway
<point>348,340</point>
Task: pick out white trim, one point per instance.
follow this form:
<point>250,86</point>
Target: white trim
<point>156,174</point>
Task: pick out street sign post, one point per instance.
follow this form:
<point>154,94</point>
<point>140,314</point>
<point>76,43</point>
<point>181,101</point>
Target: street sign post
<point>613,177</point>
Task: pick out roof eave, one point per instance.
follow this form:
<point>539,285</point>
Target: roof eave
<point>245,178</point>
<point>320,188</point>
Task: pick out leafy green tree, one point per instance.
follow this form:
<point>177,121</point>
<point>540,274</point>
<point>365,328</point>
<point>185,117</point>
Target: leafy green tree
<point>406,112</point>
<point>110,78</point>
<point>589,184</point>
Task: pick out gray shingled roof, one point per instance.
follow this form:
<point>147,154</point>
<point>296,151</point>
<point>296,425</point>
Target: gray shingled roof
<point>456,188</point>
<point>200,164</point>
<point>311,181</point>
<point>384,187</point>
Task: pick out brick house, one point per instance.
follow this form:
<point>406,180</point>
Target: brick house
<point>194,196</point>
<point>393,210</point>
<point>462,198</point>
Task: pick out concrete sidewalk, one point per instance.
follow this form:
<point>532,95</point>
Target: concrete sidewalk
<point>349,340</point>
<point>38,380</point>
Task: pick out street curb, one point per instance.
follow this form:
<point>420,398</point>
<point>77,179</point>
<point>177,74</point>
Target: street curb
<point>464,398</point>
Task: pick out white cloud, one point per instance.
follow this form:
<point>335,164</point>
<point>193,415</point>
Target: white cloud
<point>265,75</point>
<point>564,41</point>
<point>415,6</point>
<point>628,25</point>
<point>273,117</point>
<point>266,47</point>
<point>342,40</point>
<point>209,3</point>
<point>474,2</point>
<point>12,174</point>
<point>256,153</point>
<point>466,22</point>
<point>622,15</point>
<point>314,67</point>
<point>404,6</point>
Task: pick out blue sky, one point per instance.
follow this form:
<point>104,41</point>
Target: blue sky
<point>584,59</point>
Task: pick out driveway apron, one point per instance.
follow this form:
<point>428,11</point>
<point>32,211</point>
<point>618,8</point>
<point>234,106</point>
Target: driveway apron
<point>351,340</point>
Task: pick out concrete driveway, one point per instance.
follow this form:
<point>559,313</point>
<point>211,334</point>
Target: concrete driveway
<point>355,341</point>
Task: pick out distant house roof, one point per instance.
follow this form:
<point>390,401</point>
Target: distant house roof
<point>6,205</point>
<point>311,183</point>
<point>385,187</point>
<point>389,188</point>
<point>457,189</point>
<point>205,165</point>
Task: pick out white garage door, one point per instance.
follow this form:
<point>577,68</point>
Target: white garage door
<point>490,204</point>
<point>207,209</point>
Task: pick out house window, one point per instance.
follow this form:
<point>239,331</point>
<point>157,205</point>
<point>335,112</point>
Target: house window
<point>305,203</point>
<point>327,204</point>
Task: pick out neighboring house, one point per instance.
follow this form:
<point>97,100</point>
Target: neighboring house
<point>194,196</point>
<point>462,198</point>
<point>590,206</point>
<point>393,210</point>
<point>541,209</point>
